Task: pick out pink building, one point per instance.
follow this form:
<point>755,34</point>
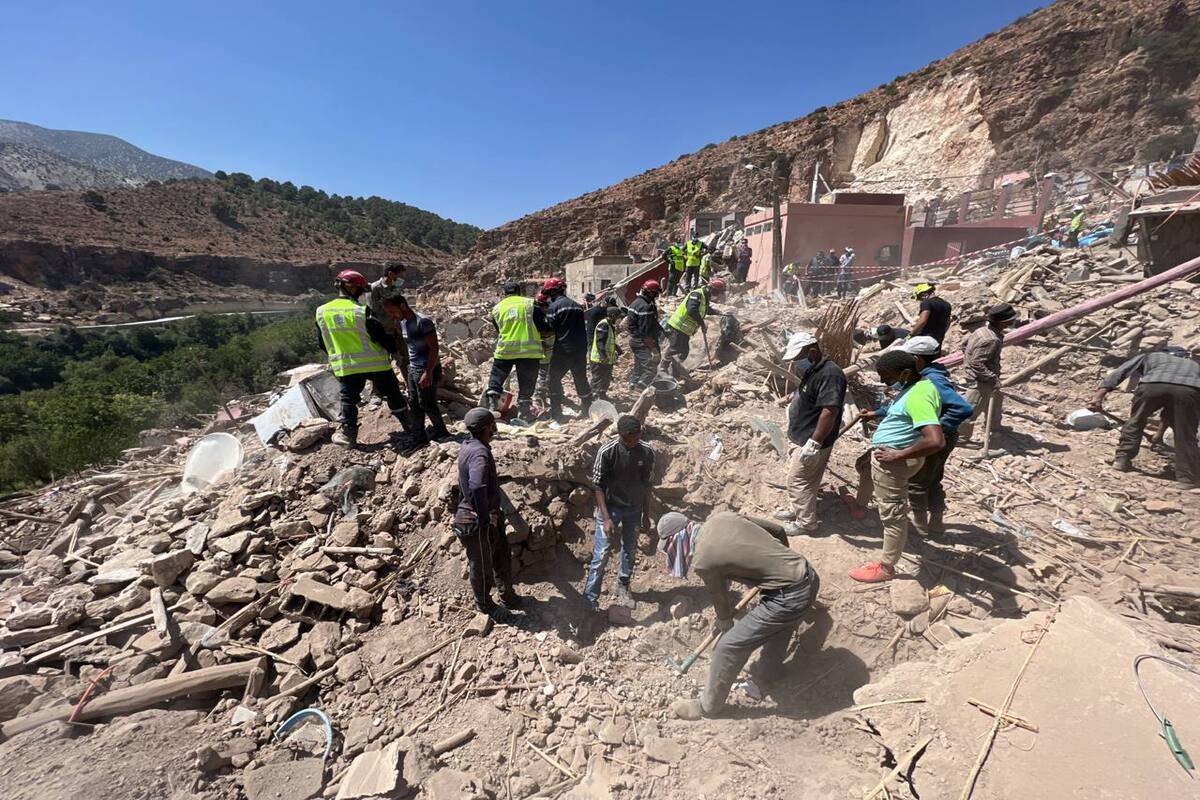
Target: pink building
<point>872,224</point>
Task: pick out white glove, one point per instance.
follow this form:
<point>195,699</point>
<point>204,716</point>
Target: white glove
<point>810,450</point>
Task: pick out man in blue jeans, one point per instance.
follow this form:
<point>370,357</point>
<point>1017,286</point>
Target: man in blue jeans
<point>622,476</point>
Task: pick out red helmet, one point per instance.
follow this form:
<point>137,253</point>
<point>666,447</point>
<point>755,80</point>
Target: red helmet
<point>717,284</point>
<point>553,283</point>
<point>349,276</point>
<point>540,297</point>
<point>652,286</point>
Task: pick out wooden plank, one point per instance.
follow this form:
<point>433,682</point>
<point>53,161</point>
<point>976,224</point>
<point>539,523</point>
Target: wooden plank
<point>136,698</point>
<point>140,619</point>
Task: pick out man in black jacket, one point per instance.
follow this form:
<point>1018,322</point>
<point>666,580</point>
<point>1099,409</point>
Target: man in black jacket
<point>570,347</point>
<point>644,332</point>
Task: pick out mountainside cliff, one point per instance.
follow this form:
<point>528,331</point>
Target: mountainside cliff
<point>1078,83</point>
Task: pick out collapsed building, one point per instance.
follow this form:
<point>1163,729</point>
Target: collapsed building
<point>296,623</point>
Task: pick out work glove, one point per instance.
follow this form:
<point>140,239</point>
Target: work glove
<point>810,450</point>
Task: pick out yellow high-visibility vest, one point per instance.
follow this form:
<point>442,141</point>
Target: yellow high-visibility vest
<point>519,337</point>
<point>343,325</point>
<point>693,252</point>
<point>609,356</point>
<point>684,322</point>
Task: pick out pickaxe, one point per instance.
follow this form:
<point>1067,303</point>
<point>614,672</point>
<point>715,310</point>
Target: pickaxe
<point>683,666</point>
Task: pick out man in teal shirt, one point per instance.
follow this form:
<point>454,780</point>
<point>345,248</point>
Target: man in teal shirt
<point>910,430</point>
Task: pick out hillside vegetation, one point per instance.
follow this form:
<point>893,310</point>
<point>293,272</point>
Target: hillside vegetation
<point>371,221</point>
<point>72,399</point>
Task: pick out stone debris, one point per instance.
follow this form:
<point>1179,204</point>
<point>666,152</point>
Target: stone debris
<point>338,570</point>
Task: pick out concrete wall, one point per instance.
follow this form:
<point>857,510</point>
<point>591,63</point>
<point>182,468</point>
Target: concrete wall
<point>922,245</point>
<point>596,273</point>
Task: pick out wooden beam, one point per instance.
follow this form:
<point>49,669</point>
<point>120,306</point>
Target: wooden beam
<point>136,698</point>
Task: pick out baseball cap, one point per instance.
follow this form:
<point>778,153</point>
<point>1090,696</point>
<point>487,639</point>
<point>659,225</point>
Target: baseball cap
<point>671,523</point>
<point>476,418</point>
<point>921,346</point>
<point>797,342</point>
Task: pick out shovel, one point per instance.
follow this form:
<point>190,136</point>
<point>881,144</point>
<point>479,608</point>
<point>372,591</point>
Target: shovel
<point>682,667</point>
<point>707,353</point>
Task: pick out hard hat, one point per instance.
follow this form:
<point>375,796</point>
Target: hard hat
<point>351,278</point>
<point>717,285</point>
<point>540,297</point>
<point>922,288</point>
<point>553,283</point>
<point>1077,207</point>
<point>651,286</point>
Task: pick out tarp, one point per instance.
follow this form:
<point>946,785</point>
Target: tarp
<point>314,397</point>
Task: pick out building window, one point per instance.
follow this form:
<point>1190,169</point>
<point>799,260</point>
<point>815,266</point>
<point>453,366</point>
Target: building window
<point>604,284</point>
<point>768,227</point>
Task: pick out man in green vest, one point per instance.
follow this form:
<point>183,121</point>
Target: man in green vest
<point>693,253</point>
<point>688,317</point>
<point>676,264</point>
<point>604,352</point>
<point>359,350</point>
<point>1075,229</point>
<point>519,327</point>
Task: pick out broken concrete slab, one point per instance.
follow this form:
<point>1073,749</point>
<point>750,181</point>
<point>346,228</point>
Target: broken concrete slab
<point>666,751</point>
<point>1087,648</point>
<point>285,780</point>
<point>395,771</point>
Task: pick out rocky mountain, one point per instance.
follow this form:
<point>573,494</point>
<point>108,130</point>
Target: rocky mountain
<point>66,159</point>
<point>1078,83</point>
<point>25,167</point>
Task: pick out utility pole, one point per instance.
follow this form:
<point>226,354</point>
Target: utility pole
<point>776,230</point>
<point>816,172</point>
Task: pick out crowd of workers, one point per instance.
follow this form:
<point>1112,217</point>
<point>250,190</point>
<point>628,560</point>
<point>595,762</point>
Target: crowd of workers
<point>548,336</point>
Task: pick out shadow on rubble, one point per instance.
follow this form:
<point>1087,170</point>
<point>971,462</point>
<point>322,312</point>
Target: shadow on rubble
<point>817,680</point>
<point>1017,443</point>
<point>1000,560</point>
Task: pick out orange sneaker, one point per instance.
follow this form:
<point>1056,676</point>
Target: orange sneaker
<point>873,573</point>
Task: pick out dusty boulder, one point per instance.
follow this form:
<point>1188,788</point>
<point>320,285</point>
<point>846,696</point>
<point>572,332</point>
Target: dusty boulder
<point>233,590</point>
<point>166,568</point>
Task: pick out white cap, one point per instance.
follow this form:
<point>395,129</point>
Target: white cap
<point>921,346</point>
<point>797,342</point>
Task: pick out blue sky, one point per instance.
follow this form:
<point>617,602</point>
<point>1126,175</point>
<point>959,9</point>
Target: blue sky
<point>480,111</point>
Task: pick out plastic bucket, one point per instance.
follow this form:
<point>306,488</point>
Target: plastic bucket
<point>211,460</point>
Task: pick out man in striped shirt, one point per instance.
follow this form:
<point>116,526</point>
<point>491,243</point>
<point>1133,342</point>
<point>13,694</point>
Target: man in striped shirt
<point>623,478</point>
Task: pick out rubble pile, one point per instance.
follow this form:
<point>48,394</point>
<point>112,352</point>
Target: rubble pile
<point>302,627</point>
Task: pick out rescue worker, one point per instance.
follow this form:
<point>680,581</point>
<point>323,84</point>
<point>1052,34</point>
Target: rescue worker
<point>693,252</point>
<point>676,264</point>
<point>791,281</point>
<point>570,347</point>
<point>424,369</point>
<point>479,520</point>
<point>359,350</point>
<point>391,285</point>
<point>753,552</point>
<point>843,271</point>
<point>520,326</point>
<point>688,316</point>
<point>542,393</point>
<point>707,264</point>
<point>982,368</point>
<point>596,313</point>
<point>604,352</point>
<point>910,431</point>
<point>933,313</point>
<point>814,422</point>
<point>742,254</point>
<point>644,333</point>
<point>816,273</point>
<point>1075,228</point>
<point>925,491</point>
<point>1168,380</point>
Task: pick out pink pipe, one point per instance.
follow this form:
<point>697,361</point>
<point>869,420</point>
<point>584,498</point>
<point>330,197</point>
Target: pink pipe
<point>1184,270</point>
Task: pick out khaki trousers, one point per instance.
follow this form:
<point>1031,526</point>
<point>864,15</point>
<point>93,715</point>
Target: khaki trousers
<point>891,498</point>
<point>979,396</point>
<point>804,484</point>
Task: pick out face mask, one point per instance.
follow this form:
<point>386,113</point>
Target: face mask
<point>898,386</point>
<point>804,364</point>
